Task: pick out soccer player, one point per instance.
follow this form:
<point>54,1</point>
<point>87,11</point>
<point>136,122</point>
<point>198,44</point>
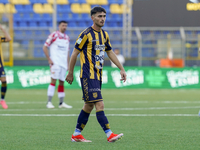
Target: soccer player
<point>91,44</point>
<point>5,38</point>
<point>58,43</point>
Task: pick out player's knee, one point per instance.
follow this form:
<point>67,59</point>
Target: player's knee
<point>99,106</point>
<point>88,107</point>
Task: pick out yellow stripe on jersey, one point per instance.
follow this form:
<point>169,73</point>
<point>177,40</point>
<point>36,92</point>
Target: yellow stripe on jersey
<point>82,60</point>
<point>2,39</point>
<point>89,55</point>
<point>84,39</point>
<point>97,53</point>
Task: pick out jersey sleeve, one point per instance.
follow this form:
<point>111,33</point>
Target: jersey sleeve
<point>51,38</point>
<point>2,39</point>
<point>81,42</point>
<point>108,46</point>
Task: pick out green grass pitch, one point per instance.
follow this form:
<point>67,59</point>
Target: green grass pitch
<point>151,119</point>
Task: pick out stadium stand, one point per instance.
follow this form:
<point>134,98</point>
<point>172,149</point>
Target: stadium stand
<point>33,18</point>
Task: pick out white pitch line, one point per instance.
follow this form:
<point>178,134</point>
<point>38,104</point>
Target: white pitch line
<point>111,109</point>
<point>139,102</point>
<point>115,115</point>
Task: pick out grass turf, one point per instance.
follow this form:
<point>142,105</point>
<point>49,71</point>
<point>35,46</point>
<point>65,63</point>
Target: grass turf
<point>24,125</point>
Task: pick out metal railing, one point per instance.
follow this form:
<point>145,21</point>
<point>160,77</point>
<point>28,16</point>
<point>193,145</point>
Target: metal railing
<point>148,44</point>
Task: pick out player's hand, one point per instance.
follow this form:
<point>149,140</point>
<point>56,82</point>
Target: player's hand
<point>123,75</point>
<point>69,78</point>
<point>50,62</point>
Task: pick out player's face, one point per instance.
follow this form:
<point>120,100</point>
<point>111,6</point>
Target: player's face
<point>99,19</point>
<point>63,27</point>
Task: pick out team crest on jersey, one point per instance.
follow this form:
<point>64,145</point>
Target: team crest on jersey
<point>79,40</point>
<point>95,95</point>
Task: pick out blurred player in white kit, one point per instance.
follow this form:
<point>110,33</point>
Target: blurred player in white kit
<point>58,44</point>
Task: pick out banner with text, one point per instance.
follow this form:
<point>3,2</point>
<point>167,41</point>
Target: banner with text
<point>137,77</point>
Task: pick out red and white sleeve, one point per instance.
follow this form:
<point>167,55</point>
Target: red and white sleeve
<point>51,38</point>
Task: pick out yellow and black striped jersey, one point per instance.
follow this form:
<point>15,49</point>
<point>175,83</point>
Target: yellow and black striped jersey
<point>92,44</point>
<point>2,39</point>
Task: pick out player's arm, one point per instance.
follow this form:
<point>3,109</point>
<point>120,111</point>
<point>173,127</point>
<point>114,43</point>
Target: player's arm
<point>72,63</point>
<point>46,52</point>
<point>114,59</point>
<point>68,58</point>
<point>48,42</point>
<point>7,36</point>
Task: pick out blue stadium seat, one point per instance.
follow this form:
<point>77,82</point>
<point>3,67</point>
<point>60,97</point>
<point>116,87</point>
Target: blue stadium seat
<point>26,17</point>
<point>177,32</point>
<point>63,8</point>
<point>49,24</point>
<point>33,1</point>
<point>74,1</point>
<point>23,24</point>
<point>86,17</point>
<point>82,1</point>
<point>28,33</point>
<point>36,17</point>
<point>112,2</point>
<point>46,32</point>
<point>38,52</point>
<point>33,24</point>
<point>28,8</point>
<point>120,24</point>
<point>36,42</point>
<point>25,44</point>
<point>82,24</point>
<point>18,33</point>
<point>67,17</point>
<point>4,1</point>
<point>134,42</point>
<point>43,24</point>
<point>188,32</point>
<point>77,17</point>
<point>166,32</point>
<point>19,8</point>
<point>15,24</point>
<point>17,17</point>
<point>134,52</point>
<point>107,8</point>
<point>72,24</point>
<point>148,52</point>
<point>42,1</point>
<point>112,24</point>
<point>47,17</point>
<point>146,32</point>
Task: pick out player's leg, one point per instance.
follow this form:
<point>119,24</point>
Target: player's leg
<point>84,114</point>
<point>81,123</point>
<point>50,93</point>
<point>103,121</point>
<point>61,95</point>
<point>3,92</point>
<point>51,88</point>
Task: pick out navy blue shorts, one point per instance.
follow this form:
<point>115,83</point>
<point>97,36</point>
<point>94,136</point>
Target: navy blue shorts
<point>2,71</point>
<point>91,90</point>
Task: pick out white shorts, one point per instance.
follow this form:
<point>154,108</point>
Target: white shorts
<point>58,72</point>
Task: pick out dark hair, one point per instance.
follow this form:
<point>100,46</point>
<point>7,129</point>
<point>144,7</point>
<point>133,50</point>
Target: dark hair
<point>96,9</point>
<point>62,21</point>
